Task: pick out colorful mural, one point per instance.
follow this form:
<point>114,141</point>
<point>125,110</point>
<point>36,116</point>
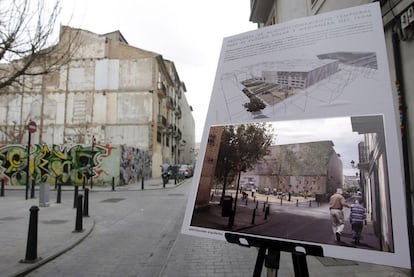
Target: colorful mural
<point>135,163</point>
<point>70,165</point>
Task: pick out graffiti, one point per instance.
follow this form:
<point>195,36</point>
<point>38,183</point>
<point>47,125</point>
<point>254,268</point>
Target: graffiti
<point>135,163</point>
<point>48,164</point>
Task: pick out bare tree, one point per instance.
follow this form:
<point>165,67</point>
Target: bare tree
<point>26,33</point>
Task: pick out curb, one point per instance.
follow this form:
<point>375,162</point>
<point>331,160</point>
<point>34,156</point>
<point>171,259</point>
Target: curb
<point>44,261</point>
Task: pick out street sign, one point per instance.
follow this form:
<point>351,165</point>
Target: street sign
<point>32,127</point>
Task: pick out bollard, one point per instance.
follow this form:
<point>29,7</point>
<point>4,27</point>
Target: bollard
<point>86,204</point>
<point>257,204</point>
<point>264,206</point>
<point>297,202</point>
<point>59,193</point>
<point>266,213</point>
<point>247,200</point>
<point>254,199</point>
<point>142,183</point>
<point>281,201</point>
<point>113,183</point>
<point>32,190</point>
<point>212,195</point>
<point>79,224</point>
<point>31,247</point>
<point>2,188</point>
<point>254,216</point>
<point>310,203</point>
<point>75,196</point>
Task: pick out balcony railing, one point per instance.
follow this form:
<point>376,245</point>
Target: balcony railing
<point>162,122</point>
<point>161,90</point>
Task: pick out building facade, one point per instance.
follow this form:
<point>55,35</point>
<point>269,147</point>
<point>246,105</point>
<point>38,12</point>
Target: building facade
<point>108,93</point>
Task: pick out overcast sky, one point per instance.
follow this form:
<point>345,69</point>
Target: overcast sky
<point>186,32</point>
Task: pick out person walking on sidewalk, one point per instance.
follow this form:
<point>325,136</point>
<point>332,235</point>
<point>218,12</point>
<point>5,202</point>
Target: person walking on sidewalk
<point>357,218</point>
<point>336,204</point>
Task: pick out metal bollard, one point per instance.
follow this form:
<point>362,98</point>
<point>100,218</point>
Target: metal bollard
<point>79,223</point>
<point>281,201</point>
<point>75,196</point>
<point>211,197</point>
<point>310,203</point>
<point>86,204</point>
<point>32,190</point>
<point>2,188</point>
<point>254,216</point>
<point>59,193</point>
<point>264,206</point>
<point>297,202</point>
<point>113,183</point>
<point>142,183</point>
<point>31,247</point>
<point>247,200</point>
<point>266,213</point>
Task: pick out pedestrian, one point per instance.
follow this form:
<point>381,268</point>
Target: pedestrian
<point>357,218</point>
<point>336,204</point>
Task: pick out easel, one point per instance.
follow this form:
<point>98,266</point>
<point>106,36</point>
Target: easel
<point>272,259</point>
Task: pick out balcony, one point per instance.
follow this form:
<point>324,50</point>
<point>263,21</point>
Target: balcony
<point>170,103</point>
<point>162,122</point>
<point>161,90</point>
<point>178,111</point>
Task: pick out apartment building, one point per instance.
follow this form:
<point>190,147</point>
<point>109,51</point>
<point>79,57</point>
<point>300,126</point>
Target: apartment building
<point>110,92</point>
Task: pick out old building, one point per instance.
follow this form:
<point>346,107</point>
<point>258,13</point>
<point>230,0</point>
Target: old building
<point>108,93</point>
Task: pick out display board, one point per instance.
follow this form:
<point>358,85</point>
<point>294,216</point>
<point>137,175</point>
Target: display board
<point>299,110</point>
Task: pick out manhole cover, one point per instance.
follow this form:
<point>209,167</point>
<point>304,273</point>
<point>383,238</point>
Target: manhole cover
<point>8,218</point>
<point>54,221</point>
<point>112,200</point>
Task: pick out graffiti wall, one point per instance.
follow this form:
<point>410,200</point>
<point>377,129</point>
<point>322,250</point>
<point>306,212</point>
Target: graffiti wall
<point>135,163</point>
<point>70,165</point>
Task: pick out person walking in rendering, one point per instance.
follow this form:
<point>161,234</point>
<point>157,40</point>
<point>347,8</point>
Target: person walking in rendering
<point>336,204</point>
<point>357,218</point>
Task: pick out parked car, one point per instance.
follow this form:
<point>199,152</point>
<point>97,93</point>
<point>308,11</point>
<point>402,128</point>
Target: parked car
<point>186,170</point>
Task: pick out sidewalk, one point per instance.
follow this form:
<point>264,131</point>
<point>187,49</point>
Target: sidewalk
<point>56,225</point>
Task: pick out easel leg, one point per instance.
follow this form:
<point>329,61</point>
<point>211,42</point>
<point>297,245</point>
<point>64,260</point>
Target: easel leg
<point>272,262</point>
<point>300,265</point>
<point>259,262</point>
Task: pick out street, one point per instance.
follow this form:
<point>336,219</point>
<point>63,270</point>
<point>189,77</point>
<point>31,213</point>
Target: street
<point>134,235</point>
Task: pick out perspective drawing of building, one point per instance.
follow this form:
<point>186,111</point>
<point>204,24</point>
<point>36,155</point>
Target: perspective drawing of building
<point>108,93</point>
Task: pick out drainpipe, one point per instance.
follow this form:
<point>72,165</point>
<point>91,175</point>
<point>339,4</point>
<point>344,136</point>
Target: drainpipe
<point>399,83</point>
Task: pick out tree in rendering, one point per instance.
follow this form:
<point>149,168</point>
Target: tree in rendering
<point>241,147</point>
